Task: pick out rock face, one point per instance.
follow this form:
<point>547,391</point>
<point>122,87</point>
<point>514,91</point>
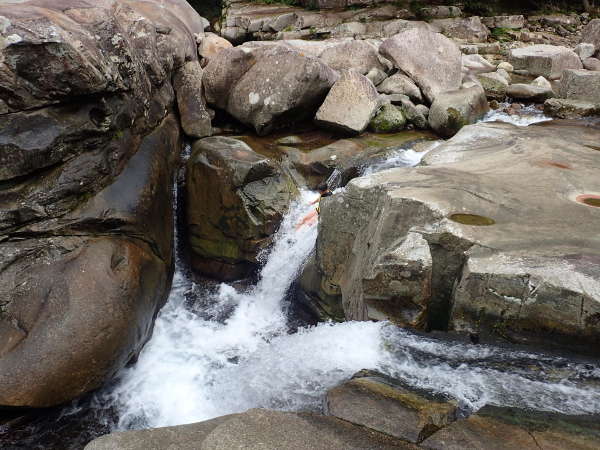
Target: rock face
<point>236,199</point>
<point>545,60</point>
<point>509,428</point>
<point>591,34</point>
<point>267,87</point>
<point>256,428</point>
<point>432,60</point>
<point>87,156</point>
<point>358,55</point>
<point>195,118</point>
<point>395,243</point>
<point>380,403</point>
<point>453,110</point>
<point>401,84</point>
<point>350,105</point>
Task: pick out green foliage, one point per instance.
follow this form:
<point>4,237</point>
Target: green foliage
<point>502,34</point>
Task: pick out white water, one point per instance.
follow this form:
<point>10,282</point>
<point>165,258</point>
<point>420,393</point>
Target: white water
<point>400,158</point>
<point>197,367</point>
<point>528,115</point>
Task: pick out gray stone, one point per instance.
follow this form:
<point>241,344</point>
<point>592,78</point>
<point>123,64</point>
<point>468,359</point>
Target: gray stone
<point>376,76</point>
<point>453,110</point>
<point>591,34</point>
<point>592,64</point>
<point>563,108</point>
<point>585,50</point>
<point>529,92</point>
<point>401,84</point>
<point>358,55</point>
<point>546,60</point>
<point>210,44</point>
<point>254,429</point>
<point>494,85</point>
<point>413,114</point>
<point>469,29</point>
<point>515,22</point>
<point>580,85</point>
<point>350,105</point>
<point>440,12</point>
<point>431,60</point>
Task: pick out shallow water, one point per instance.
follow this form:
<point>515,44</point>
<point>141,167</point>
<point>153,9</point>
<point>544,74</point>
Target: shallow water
<point>528,115</point>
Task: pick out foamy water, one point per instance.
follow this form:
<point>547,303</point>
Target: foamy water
<point>237,353</point>
<point>528,115</point>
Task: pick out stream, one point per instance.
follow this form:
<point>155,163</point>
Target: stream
<point>220,349</point>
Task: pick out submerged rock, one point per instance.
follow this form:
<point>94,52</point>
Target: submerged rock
<point>395,244</point>
<point>256,428</point>
<point>87,159</point>
<point>236,200</point>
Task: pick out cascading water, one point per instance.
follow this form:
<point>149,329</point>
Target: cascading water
<point>238,353</point>
<point>528,115</point>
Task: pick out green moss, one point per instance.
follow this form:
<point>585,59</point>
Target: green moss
<point>503,34</point>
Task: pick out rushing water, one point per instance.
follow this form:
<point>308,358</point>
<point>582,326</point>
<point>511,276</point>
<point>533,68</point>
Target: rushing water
<point>528,115</point>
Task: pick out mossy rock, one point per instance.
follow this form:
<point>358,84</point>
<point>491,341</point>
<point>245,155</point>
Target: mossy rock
<point>389,119</point>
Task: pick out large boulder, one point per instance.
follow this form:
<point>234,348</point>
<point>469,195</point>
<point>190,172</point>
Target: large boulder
<point>549,61</point>
<point>580,85</point>
<point>87,155</point>
<point>236,200</point>
<point>350,105</point>
<point>453,110</point>
<point>563,108</point>
<point>358,55</point>
<point>466,242</point>
<point>469,29</point>
<point>401,84</point>
<point>256,428</point>
<point>591,34</point>
<point>432,60</point>
<point>529,92</point>
<point>267,87</point>
<point>195,118</point>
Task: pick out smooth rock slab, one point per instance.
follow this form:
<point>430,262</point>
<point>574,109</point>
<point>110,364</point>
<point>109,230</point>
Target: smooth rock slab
<point>350,105</point>
<point>254,429</point>
<point>430,59</point>
<point>549,61</point>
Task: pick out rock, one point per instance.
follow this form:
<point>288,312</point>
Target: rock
<point>88,152</point>
<point>509,22</point>
<point>453,110</point>
<point>546,60</point>
<point>236,200</point>
<point>580,85</point>
<point>388,120</point>
<point>529,92</point>
<point>210,45</point>
<point>413,114</point>
<point>358,55</point>
<point>592,64</point>
<point>498,428</point>
<point>591,34</point>
<point>585,50</point>
<point>267,88</point>
<point>542,82</point>
<point>517,275</point>
<point>494,85</point>
<point>469,29</point>
<point>401,84</point>
<point>423,110</point>
<point>195,118</point>
<point>256,428</point>
<point>440,12</point>
<point>562,108</point>
<point>350,105</point>
<point>376,76</point>
<point>431,60</point>
<point>506,66</point>
<point>380,403</point>
<point>474,65</point>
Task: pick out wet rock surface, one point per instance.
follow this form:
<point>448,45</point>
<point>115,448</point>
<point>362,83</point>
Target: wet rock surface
<point>88,150</point>
<point>236,200</point>
<point>514,277</point>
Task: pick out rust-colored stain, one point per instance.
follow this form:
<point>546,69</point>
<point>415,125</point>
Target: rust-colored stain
<point>589,200</point>
<point>556,164</point>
